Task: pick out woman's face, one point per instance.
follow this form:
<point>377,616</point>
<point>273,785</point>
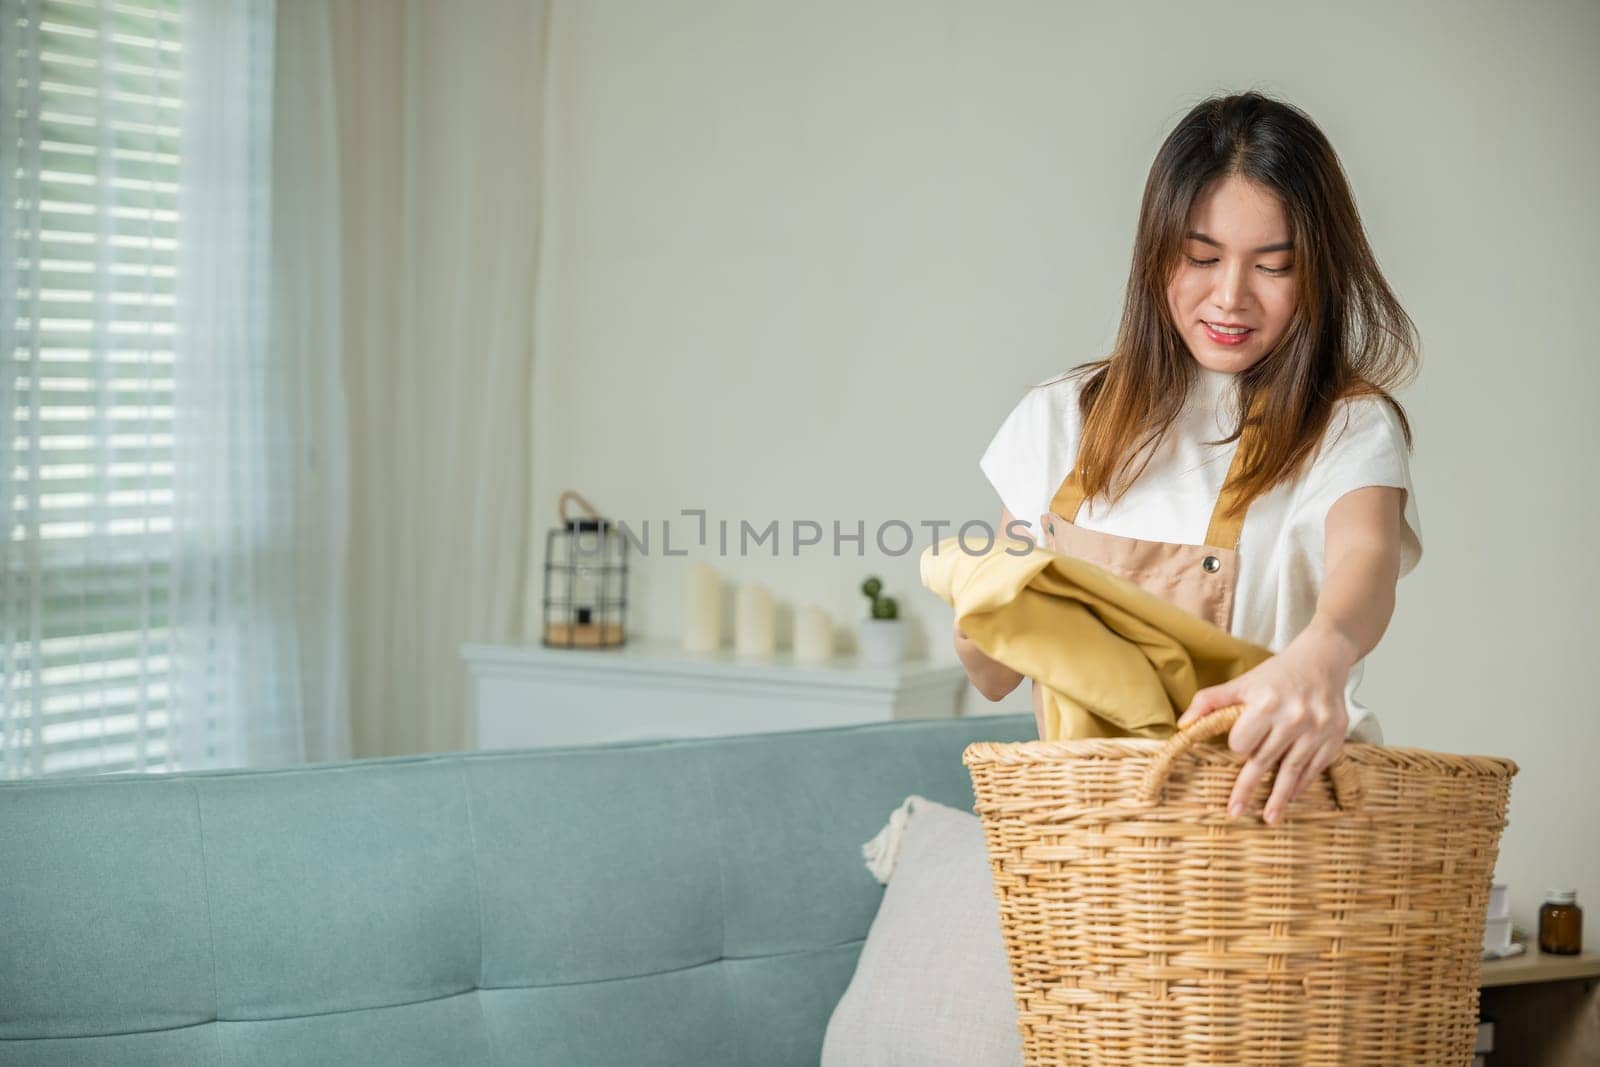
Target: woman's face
<point>1236,270</point>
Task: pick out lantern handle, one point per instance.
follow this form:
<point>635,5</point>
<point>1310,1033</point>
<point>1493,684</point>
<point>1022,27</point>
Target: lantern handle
<point>573,494</point>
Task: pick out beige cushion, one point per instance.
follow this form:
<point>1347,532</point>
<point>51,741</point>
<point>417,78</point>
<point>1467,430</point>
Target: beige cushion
<point>932,986</point>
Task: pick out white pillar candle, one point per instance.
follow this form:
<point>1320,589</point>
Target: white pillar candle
<point>813,635</point>
<point>702,609</point>
<point>753,618</point>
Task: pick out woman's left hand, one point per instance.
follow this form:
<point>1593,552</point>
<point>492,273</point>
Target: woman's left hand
<point>1294,713</point>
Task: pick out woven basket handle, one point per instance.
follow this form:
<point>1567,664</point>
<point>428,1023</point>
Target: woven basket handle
<point>1344,775</point>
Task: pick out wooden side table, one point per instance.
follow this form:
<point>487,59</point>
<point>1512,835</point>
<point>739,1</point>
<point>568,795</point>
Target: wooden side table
<point>1546,1009</point>
<point>529,696</point>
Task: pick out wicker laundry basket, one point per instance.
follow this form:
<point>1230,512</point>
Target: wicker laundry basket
<point>1146,926</point>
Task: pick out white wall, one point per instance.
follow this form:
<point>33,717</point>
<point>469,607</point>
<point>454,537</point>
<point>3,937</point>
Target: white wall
<point>802,259</point>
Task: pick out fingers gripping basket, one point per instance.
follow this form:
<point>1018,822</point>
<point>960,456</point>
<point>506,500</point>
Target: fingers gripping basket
<point>1146,926</point>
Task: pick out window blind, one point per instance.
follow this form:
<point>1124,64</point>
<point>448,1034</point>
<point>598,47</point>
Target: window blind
<point>91,123</point>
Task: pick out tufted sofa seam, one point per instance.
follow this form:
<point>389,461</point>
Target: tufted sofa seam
<point>477,889</point>
<point>429,1000</point>
<point>722,870</point>
<point>211,929</point>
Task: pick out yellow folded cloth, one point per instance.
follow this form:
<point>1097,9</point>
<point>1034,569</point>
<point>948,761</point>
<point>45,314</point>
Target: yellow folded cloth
<point>1112,659</point>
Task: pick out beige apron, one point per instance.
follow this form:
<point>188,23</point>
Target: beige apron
<point>1198,578</point>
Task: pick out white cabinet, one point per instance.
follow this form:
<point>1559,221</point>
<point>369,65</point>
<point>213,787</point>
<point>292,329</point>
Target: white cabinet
<point>529,696</point>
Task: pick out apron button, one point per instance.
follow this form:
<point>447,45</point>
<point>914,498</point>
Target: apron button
<point>1211,564</point>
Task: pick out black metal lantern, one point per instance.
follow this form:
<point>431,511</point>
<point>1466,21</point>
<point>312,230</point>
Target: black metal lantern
<point>585,581</point>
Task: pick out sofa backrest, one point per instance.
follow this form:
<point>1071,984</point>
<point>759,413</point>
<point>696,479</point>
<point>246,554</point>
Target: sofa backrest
<point>666,902</point>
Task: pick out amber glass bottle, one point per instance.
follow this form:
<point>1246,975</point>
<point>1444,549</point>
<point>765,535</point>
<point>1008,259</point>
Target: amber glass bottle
<point>1561,923</point>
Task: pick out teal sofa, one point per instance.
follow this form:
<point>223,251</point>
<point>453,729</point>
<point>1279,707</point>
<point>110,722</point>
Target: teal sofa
<point>663,902</point>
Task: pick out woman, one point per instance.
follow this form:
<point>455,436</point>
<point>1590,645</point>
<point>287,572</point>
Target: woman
<point>1253,290</point>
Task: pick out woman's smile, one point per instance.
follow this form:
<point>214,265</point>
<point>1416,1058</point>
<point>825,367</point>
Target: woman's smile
<point>1231,336</point>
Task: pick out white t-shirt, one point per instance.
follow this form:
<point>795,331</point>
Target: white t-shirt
<point>1281,544</point>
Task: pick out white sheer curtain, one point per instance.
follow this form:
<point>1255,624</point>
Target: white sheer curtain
<point>440,119</point>
<point>407,187</point>
<point>308,316</point>
<point>165,474</point>
<point>266,339</point>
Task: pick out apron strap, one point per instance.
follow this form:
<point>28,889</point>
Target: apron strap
<point>1224,530</point>
<point>1069,497</point>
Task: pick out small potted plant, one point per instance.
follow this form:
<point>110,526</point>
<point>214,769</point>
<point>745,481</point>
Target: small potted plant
<point>882,633</point>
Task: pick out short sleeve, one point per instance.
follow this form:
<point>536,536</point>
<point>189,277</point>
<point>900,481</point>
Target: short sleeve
<point>1014,460</point>
<point>1365,445</point>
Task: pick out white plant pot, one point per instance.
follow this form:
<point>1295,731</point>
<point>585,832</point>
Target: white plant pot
<point>882,642</point>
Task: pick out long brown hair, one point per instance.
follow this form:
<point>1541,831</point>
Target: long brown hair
<point>1348,335</point>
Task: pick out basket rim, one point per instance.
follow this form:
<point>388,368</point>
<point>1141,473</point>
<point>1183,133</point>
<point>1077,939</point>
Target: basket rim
<point>1393,757</point>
